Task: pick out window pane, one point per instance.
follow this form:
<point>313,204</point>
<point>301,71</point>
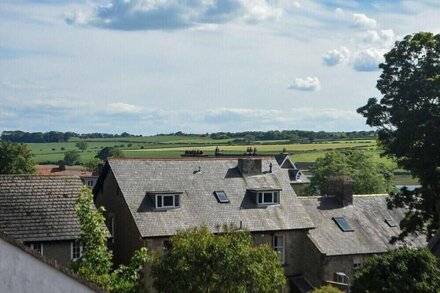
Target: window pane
<point>275,197</point>
<point>177,200</point>
<point>168,201</point>
<point>268,197</point>
<point>260,198</point>
<point>159,201</point>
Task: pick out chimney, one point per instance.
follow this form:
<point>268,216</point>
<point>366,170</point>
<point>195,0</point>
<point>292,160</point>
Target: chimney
<point>250,166</point>
<point>342,188</point>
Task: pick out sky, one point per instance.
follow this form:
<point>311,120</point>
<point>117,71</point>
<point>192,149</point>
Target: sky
<point>197,66</point>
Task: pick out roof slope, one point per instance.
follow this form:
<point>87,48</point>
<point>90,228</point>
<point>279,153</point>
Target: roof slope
<point>39,208</point>
<point>366,216</point>
<point>199,206</point>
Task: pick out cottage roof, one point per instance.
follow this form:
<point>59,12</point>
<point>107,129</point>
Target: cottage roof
<point>39,208</point>
<point>139,178</point>
<point>295,174</point>
<point>367,218</point>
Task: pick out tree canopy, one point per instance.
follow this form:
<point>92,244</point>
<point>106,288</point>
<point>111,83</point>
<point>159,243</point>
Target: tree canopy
<point>402,270</point>
<point>82,145</point>
<point>95,264</point>
<point>367,176</point>
<point>16,159</point>
<point>71,157</point>
<point>199,261</point>
<point>408,119</point>
<point>108,152</point>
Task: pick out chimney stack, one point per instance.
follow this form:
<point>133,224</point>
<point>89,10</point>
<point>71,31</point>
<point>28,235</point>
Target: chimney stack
<point>342,188</point>
<point>250,166</point>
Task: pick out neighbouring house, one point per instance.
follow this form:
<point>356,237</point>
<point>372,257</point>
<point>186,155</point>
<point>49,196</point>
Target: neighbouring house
<point>24,270</point>
<point>320,240</point>
<point>298,180</point>
<point>88,178</point>
<point>149,200</point>
<point>39,210</point>
<point>348,229</point>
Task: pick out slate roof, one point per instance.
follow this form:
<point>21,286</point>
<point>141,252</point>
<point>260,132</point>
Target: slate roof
<point>199,206</point>
<point>366,216</point>
<point>286,163</point>
<point>39,208</point>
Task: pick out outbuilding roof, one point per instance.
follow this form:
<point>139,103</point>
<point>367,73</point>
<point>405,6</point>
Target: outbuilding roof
<point>197,179</point>
<point>39,208</point>
<point>367,218</point>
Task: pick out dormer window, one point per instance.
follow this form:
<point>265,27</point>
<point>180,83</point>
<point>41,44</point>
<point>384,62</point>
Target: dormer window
<point>167,201</point>
<point>268,197</point>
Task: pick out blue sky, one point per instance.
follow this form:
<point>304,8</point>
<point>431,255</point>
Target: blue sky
<point>159,66</point>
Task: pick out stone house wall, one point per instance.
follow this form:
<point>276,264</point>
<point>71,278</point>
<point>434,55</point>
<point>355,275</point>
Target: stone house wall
<point>126,239</point>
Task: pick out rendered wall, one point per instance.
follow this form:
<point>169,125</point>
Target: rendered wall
<point>22,272</point>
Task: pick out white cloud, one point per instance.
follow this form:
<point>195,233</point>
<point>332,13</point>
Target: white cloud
<point>335,57</point>
<point>368,60</point>
<point>306,84</point>
<point>172,15</point>
<point>123,108</point>
<point>362,21</point>
<point>379,38</point>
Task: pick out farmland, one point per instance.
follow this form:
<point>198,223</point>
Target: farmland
<point>174,146</point>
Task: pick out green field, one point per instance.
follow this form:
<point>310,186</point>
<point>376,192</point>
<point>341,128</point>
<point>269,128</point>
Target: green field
<point>175,146</point>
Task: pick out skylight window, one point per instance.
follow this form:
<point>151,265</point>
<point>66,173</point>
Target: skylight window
<point>343,224</point>
<point>221,196</point>
<point>390,222</point>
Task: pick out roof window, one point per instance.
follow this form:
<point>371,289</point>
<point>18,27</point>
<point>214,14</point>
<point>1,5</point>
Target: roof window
<point>343,224</point>
<point>221,196</point>
<point>390,222</point>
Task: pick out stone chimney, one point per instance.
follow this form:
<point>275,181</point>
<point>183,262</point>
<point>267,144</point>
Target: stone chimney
<point>342,188</point>
<point>250,166</point>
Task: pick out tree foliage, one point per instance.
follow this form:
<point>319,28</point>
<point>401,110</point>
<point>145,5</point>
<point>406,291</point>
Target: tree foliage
<point>82,145</point>
<point>16,159</point>
<point>408,119</point>
<point>93,165</point>
<point>327,289</point>
<point>199,261</point>
<point>368,176</point>
<point>402,270</point>
<point>108,152</point>
<point>71,157</point>
<point>96,264</point>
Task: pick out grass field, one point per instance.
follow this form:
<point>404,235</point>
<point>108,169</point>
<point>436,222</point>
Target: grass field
<point>175,146</point>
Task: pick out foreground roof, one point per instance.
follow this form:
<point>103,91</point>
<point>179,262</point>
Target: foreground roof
<point>367,218</point>
<point>138,178</point>
<point>39,208</point>
<point>26,252</point>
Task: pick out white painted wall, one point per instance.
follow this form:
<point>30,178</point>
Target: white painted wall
<point>20,272</point>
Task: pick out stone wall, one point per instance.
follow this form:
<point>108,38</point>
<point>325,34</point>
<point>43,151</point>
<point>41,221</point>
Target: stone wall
<point>126,238</point>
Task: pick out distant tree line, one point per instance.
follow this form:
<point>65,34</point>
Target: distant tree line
<point>53,136</point>
<point>295,135</point>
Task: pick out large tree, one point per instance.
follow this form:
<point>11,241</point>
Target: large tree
<point>72,157</point>
<point>399,271</point>
<point>367,176</point>
<point>408,119</point>
<point>82,145</point>
<point>199,261</point>
<point>16,158</point>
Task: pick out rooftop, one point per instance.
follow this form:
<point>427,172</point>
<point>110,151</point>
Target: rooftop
<point>39,207</point>
<point>367,218</point>
<point>199,205</point>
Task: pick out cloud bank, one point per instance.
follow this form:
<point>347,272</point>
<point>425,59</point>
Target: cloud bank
<point>173,15</point>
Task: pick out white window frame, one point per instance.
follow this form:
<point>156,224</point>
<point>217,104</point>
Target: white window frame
<point>90,182</point>
<point>72,244</point>
<point>260,195</point>
<point>33,246</point>
<point>280,248</point>
<point>357,263</point>
<point>160,198</point>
